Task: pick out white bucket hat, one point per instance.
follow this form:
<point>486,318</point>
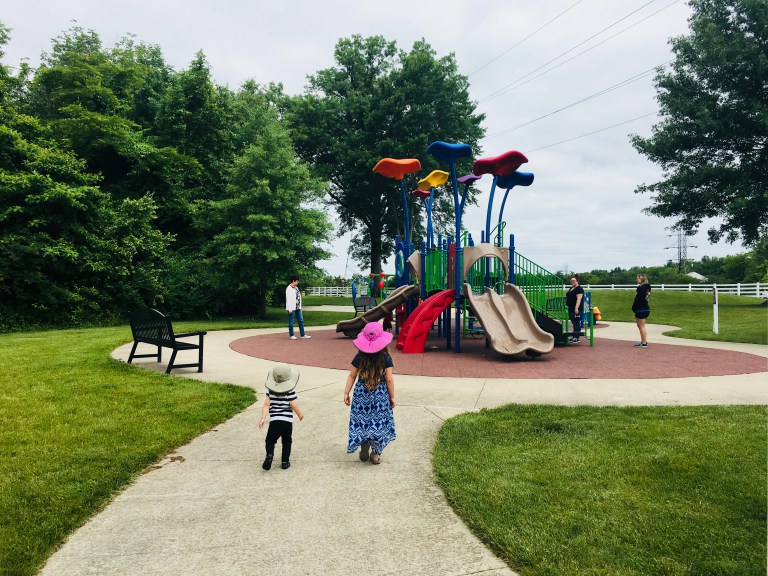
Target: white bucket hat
<point>282,378</point>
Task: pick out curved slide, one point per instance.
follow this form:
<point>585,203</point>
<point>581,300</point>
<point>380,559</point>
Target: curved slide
<point>353,326</point>
<point>413,334</point>
<point>508,321</point>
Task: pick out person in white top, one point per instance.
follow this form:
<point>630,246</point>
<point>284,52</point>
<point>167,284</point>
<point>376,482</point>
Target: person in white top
<point>293,306</point>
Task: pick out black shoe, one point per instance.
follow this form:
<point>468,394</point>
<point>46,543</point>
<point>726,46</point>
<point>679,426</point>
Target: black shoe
<point>267,462</point>
<point>286,465</point>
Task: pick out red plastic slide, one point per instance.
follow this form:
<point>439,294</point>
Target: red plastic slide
<point>413,334</point>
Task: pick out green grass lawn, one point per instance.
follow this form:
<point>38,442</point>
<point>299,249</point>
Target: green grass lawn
<point>741,319</point>
<point>612,491</point>
<point>77,427</point>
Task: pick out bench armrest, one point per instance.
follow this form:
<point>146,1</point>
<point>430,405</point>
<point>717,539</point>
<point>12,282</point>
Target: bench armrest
<point>185,334</point>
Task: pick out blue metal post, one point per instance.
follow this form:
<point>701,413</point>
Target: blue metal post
<point>511,258</point>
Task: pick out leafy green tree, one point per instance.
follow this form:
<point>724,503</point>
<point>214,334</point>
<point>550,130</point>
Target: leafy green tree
<point>380,102</point>
<point>266,227</point>
<point>713,141</point>
<point>87,97</point>
<point>70,253</point>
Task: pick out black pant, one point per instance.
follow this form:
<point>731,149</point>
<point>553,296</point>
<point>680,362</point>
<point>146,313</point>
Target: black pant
<point>277,429</point>
<point>575,320</point>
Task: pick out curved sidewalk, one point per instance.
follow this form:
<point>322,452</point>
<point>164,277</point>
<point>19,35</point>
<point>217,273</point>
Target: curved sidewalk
<point>209,508</point>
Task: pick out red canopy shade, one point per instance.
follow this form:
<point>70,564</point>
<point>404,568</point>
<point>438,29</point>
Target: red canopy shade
<point>420,193</point>
<point>500,165</point>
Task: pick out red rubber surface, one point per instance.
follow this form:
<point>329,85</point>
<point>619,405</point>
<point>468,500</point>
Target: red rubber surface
<point>608,359</point>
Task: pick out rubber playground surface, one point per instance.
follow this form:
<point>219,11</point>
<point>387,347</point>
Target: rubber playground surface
<point>615,359</point>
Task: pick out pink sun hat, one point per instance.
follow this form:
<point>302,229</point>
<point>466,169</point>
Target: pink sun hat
<point>372,338</point>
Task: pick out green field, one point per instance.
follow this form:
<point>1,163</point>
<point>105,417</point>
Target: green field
<point>741,319</point>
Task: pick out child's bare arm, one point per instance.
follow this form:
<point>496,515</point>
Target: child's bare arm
<point>390,379</point>
<point>296,409</point>
<point>264,411</point>
<point>350,382</point>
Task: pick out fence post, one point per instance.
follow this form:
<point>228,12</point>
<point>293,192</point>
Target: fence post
<point>689,287</point>
<point>738,289</point>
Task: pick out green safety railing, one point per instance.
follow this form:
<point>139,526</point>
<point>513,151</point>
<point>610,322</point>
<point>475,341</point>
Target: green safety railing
<point>435,270</point>
<point>541,287</point>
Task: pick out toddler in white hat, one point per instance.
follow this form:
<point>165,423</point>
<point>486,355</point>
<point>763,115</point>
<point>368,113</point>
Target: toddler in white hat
<point>280,404</point>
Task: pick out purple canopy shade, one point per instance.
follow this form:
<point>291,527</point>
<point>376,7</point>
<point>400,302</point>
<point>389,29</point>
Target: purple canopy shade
<point>469,178</point>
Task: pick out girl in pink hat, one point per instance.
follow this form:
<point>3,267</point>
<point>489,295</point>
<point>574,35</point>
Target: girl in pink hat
<point>371,421</point>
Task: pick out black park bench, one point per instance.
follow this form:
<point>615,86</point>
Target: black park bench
<point>152,327</point>
<point>363,304</point>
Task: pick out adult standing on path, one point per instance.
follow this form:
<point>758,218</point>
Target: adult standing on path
<point>642,308</point>
<point>574,301</point>
<point>371,421</point>
<point>293,306</point>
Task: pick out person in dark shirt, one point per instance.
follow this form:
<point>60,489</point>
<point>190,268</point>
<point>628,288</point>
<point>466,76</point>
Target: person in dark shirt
<point>642,308</point>
<point>574,301</point>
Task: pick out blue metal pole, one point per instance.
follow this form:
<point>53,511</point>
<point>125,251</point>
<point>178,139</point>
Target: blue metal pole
<point>511,258</point>
<point>501,211</point>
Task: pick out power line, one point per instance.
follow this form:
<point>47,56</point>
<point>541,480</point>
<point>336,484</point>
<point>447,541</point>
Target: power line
<point>594,132</point>
<point>517,85</point>
<point>526,38</point>
<point>504,88</point>
<point>616,86</point>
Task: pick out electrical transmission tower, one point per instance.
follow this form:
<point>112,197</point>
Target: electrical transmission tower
<point>682,250</point>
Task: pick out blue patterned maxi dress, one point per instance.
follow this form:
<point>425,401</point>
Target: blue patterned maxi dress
<point>371,419</point>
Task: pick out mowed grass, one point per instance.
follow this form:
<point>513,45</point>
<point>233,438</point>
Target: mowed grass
<point>612,491</point>
<point>77,427</point>
<point>741,319</point>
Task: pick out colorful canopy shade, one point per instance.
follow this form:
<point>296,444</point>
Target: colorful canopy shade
<point>449,152</point>
<point>517,178</point>
<point>436,178</point>
<point>421,193</point>
<point>500,165</point>
<point>396,168</point>
<point>469,178</point>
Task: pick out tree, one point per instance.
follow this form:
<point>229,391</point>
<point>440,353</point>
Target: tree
<point>70,252</point>
<point>713,141</point>
<point>379,102</point>
<point>265,228</point>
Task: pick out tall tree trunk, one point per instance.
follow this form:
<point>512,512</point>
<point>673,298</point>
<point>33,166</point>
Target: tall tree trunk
<point>375,259</point>
<point>261,305</point>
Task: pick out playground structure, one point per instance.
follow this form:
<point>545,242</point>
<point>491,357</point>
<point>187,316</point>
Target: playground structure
<point>517,305</point>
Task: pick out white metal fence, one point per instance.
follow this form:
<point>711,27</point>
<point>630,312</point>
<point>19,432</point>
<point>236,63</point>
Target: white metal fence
<point>341,291</point>
<point>751,289</point>
<point>740,289</point>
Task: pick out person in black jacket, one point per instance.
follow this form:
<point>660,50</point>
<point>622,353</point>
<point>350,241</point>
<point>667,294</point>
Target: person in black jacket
<point>574,301</point>
<point>642,308</point>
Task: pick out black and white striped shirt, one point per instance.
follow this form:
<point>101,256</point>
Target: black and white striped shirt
<point>280,405</point>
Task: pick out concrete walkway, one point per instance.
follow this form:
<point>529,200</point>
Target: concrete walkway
<point>209,508</point>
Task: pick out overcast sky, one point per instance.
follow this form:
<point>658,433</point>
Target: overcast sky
<point>581,213</point>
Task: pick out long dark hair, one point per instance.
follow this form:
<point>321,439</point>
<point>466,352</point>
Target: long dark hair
<point>372,369</point>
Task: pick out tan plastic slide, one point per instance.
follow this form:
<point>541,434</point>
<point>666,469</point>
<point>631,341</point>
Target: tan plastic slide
<point>353,326</point>
<point>508,321</point>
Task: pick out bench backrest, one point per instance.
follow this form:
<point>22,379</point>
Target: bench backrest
<point>151,325</point>
<point>364,302</point>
